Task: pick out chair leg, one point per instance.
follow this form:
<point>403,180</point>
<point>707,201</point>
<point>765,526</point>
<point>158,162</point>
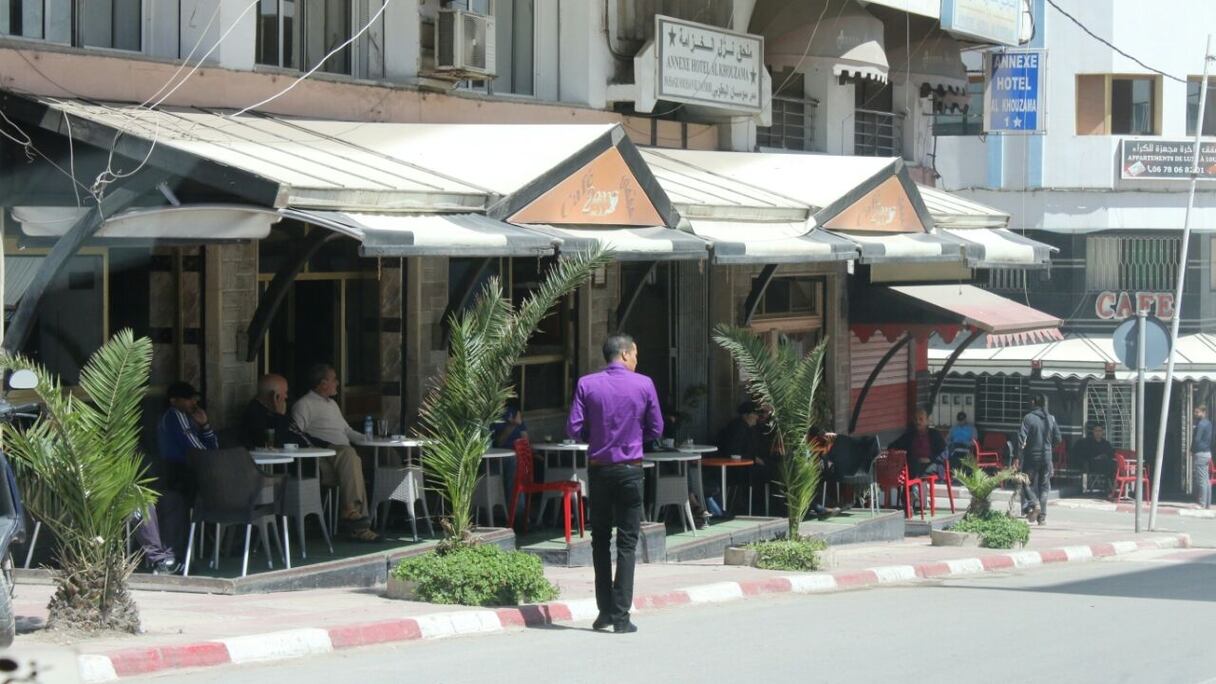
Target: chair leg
<point>215,561</point>
<point>29,554</point>
<point>325,535</point>
<point>932,498</point>
<point>300,529</point>
<point>566,514</point>
<point>907,501</point>
<point>426,512</point>
<point>189,550</point>
<point>581,515</point>
<point>687,511</point>
<point>413,518</point>
<point>267,536</point>
<point>286,544</point>
<point>245,558</point>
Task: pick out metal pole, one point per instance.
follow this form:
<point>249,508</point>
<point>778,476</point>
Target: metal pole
<point>1141,324</point>
<point>1186,242</point>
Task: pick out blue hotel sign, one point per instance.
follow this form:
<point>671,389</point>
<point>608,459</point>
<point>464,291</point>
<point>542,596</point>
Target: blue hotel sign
<point>1013,92</point>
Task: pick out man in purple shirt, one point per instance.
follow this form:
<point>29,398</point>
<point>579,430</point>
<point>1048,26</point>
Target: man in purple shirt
<point>615,411</point>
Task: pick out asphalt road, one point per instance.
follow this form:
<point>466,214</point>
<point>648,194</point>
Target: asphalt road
<point>1148,619</point>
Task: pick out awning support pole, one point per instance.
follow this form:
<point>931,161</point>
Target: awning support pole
<point>865,389</point>
<point>116,200</point>
<point>759,285</point>
<point>941,376</point>
<point>276,292</point>
<point>464,295</point>
<point>631,296</point>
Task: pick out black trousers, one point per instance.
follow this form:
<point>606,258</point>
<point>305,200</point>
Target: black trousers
<point>616,501</point>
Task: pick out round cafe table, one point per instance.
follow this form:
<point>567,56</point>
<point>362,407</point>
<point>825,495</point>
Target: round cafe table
<point>493,482</point>
<point>667,488</point>
<point>262,455</point>
<point>555,468</point>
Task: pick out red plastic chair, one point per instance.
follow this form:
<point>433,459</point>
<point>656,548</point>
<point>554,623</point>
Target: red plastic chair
<point>1212,473</point>
<point>895,467</point>
<point>1125,476</point>
<point>949,485</point>
<point>525,484</point>
<point>987,458</point>
<point>1059,455</point>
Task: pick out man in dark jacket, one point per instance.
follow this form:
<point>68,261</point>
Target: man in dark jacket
<point>1038,434</point>
<point>926,448</point>
<point>1096,456</point>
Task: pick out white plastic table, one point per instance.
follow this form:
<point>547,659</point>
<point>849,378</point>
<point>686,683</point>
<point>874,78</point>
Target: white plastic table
<point>297,455</point>
<point>493,484</point>
<point>556,471</point>
<point>686,460</point>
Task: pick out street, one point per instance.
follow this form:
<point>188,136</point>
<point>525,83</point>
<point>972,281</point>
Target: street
<point>1088,622</point>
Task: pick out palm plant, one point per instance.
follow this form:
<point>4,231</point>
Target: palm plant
<point>788,385</point>
<point>81,465</point>
<point>485,343</point>
<point>980,485</point>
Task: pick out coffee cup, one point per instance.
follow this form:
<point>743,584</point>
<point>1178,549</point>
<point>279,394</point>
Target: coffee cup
<point>736,457</point>
<point>290,447</point>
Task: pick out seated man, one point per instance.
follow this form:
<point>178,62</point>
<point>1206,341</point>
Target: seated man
<point>740,437</point>
<point>318,416</point>
<point>183,427</point>
<point>961,437</point>
<point>925,447</point>
<point>1097,458</point>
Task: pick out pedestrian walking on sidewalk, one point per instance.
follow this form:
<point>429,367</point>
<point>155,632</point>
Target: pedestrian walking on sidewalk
<point>615,411</point>
<point>1038,434</point>
<point>1201,448</point>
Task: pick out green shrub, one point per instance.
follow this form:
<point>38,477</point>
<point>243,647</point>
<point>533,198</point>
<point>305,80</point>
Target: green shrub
<point>784,554</point>
<point>477,575</point>
<point>996,530</point>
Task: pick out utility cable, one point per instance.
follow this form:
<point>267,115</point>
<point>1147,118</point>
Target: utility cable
<point>1110,45</point>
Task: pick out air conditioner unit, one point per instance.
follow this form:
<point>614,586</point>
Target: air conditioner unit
<point>464,44</point>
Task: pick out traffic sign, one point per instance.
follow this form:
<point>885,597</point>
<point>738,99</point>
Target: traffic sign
<point>1156,343</point>
<point>1014,90</point>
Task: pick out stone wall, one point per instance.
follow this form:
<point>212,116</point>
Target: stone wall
<point>391,338</point>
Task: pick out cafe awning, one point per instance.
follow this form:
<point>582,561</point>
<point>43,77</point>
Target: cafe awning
<point>905,247</point>
<point>952,211</point>
<point>629,244</point>
<point>948,308</point>
<point>193,223</point>
<point>405,235</point>
<point>1000,248</point>
<point>840,36</point>
<point>747,242</point>
<point>932,60</point>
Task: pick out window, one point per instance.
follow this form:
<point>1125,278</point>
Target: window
<point>1009,279</point>
<point>788,297</point>
<point>1192,106</point>
<point>544,375</point>
<point>876,131</point>
<point>115,24</point>
<point>967,121</point>
<point>1000,401</point>
<point>515,46</point>
<point>297,34</point>
<point>1132,264</point>
<point>793,116</point>
<point>1118,105</point>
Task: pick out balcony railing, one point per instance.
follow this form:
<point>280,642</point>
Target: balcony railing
<point>878,134</point>
<point>793,124</point>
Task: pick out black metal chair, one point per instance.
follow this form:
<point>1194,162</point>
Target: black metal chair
<point>854,458</point>
<point>232,491</point>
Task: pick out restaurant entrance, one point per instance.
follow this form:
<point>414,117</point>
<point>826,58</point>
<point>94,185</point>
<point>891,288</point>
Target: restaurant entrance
<point>652,323</point>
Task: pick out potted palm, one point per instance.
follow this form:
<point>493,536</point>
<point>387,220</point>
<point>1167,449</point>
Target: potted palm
<point>982,526</point>
<point>84,478</point>
<point>788,384</point>
<point>455,417</point>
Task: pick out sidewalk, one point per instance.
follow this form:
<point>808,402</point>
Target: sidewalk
<point>197,630</point>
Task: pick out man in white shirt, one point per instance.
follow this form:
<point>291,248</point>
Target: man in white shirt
<point>320,417</point>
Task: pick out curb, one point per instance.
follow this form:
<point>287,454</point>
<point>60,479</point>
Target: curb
<point>297,643</point>
<point>1109,507</point>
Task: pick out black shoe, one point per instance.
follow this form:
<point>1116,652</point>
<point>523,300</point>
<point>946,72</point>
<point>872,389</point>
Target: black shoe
<point>626,627</point>
<point>601,623</point>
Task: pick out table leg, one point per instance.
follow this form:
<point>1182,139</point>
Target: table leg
<point>489,510</point>
<point>723,468</point>
<point>286,544</point>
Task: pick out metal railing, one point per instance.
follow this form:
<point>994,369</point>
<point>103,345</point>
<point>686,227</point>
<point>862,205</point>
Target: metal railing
<point>793,124</point>
<point>877,134</point>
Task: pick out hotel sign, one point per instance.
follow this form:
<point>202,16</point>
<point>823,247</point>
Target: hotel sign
<point>993,21</point>
<point>706,65</point>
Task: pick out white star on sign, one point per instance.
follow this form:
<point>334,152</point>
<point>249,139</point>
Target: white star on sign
<point>1017,122</point>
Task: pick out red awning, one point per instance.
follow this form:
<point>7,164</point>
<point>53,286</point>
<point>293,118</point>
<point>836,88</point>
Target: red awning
<point>1005,321</point>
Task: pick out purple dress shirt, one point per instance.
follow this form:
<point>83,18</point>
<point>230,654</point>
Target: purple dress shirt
<point>615,411</point>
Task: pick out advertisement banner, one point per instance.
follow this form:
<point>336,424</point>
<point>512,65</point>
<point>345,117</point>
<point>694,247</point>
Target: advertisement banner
<point>992,21</point>
<point>1165,160</point>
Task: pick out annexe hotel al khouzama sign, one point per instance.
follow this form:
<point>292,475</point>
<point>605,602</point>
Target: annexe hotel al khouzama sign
<point>707,65</point>
<point>604,192</point>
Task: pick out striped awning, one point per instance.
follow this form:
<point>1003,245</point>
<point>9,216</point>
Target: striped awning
<point>401,235</point>
<point>1000,248</point>
<point>905,247</point>
<point>630,244</point>
<point>746,242</point>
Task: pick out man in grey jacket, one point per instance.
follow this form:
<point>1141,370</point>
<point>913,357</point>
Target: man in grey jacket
<point>1201,448</point>
<point>1038,434</point>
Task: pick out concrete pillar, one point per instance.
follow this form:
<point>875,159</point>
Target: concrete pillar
<point>392,339</point>
<point>425,300</point>
<point>402,44</point>
<point>230,298</point>
<point>834,119</point>
<point>838,371</point>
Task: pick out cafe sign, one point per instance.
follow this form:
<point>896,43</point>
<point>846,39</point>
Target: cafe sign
<point>706,65</point>
<point>602,192</point>
<point>1117,306</point>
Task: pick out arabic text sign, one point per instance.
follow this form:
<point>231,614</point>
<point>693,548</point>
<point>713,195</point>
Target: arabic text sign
<point>1165,160</point>
<point>701,64</point>
<point>996,21</point>
<point>1013,91</point>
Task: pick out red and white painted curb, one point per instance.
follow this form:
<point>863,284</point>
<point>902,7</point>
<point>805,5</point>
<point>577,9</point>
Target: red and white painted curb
<point>298,643</point>
<point>1112,507</point>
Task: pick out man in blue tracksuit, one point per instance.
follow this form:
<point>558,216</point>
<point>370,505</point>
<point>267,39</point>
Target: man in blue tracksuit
<point>183,427</point>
